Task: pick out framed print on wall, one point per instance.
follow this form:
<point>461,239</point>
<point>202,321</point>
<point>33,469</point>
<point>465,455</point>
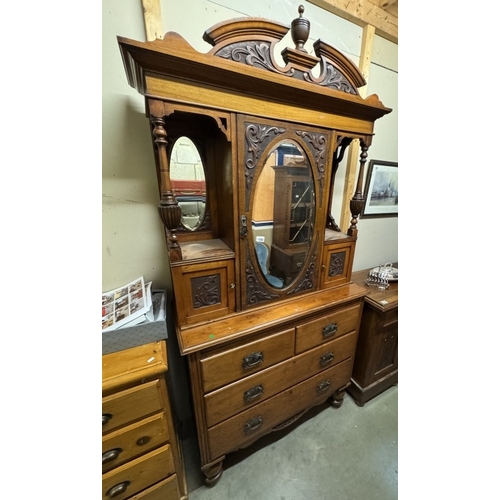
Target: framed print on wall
<point>381,192</point>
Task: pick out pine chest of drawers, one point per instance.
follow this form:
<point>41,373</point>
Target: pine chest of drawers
<point>141,457</point>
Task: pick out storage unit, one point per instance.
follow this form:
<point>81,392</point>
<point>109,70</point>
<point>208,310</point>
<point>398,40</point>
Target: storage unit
<point>262,348</point>
<point>376,364</point>
<point>141,457</point>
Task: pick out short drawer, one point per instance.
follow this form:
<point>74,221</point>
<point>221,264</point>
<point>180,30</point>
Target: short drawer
<point>244,428</point>
<point>233,364</point>
<point>133,441</point>
<point>132,404</point>
<point>168,489</point>
<point>137,475</point>
<point>317,331</point>
<point>234,398</point>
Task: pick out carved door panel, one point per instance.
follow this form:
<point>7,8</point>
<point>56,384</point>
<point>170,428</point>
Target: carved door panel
<point>282,194</point>
<point>204,291</point>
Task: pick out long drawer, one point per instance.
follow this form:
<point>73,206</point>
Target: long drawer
<point>131,404</point>
<point>318,331</point>
<point>134,440</point>
<point>138,474</point>
<point>241,395</point>
<point>242,429</point>
<point>241,361</point>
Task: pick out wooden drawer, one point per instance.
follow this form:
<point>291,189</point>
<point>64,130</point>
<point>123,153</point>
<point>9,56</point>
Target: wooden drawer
<point>168,489</point>
<point>323,329</point>
<point>132,404</point>
<point>230,400</point>
<point>390,317</point>
<point>138,474</point>
<point>244,428</point>
<point>134,440</point>
<point>233,364</point>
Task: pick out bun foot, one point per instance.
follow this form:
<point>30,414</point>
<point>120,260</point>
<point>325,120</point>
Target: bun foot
<point>212,473</point>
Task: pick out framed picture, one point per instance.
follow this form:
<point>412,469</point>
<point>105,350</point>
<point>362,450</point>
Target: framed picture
<point>381,191</point>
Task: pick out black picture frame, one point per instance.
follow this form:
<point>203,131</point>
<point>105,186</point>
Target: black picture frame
<point>381,190</point>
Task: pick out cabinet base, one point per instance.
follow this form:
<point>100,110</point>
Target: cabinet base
<point>363,394</point>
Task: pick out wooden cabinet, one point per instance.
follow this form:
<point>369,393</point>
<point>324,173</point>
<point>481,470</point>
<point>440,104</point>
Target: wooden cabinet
<point>141,457</point>
<point>266,336</point>
<point>376,363</point>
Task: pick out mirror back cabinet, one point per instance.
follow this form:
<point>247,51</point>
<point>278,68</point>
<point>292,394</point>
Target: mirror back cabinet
<point>246,151</point>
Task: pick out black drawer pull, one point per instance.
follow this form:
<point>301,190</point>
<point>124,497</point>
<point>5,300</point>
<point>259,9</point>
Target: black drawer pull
<point>106,417</point>
<point>109,456</point>
<point>253,424</point>
<point>117,489</point>
<point>326,358</point>
<point>329,330</point>
<point>253,359</point>
<point>323,386</point>
<point>253,392</point>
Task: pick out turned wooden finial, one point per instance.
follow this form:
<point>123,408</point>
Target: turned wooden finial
<point>300,30</point>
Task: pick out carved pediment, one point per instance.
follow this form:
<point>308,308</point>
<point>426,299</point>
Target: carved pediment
<point>252,40</point>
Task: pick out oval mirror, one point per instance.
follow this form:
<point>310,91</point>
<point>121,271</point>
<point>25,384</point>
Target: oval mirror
<point>283,214</point>
<point>187,176</point>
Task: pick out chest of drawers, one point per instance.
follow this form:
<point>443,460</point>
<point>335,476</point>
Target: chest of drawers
<point>271,373</point>
<point>376,364</point>
<point>141,457</point>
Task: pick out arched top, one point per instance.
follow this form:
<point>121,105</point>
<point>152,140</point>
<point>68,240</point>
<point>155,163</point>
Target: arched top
<point>251,41</point>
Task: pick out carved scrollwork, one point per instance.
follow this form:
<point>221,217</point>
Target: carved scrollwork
<point>257,137</point>
<point>256,293</point>
<point>206,291</point>
<point>332,78</point>
<point>318,143</point>
<point>307,282</point>
<point>253,54</point>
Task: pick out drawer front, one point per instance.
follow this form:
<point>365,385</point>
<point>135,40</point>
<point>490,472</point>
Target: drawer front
<point>133,441</point>
<point>233,364</point>
<point>323,329</point>
<point>129,405</point>
<point>137,475</point>
<point>168,489</point>
<point>234,398</point>
<point>244,428</point>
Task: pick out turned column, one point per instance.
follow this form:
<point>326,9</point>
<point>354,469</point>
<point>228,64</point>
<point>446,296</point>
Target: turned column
<point>169,210</point>
<point>357,202</point>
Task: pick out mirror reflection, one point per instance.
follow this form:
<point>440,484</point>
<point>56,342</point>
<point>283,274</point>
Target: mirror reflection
<point>187,176</point>
<point>283,214</point>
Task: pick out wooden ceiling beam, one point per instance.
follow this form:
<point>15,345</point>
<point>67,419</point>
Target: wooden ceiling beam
<point>362,13</point>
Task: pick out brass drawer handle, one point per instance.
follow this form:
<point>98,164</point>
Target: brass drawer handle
<point>323,386</point>
<point>253,359</point>
<point>329,330</point>
<point>253,392</point>
<point>109,456</point>
<point>117,489</point>
<point>106,417</point>
<point>253,424</point>
<point>326,358</point>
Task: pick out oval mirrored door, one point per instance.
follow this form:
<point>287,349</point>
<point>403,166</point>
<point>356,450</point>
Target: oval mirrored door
<point>283,214</point>
<point>187,176</point>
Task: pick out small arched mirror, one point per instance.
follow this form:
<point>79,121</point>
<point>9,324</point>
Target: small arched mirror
<point>283,214</point>
<point>187,176</point>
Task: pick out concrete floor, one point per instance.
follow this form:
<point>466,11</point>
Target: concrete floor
<point>349,453</point>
